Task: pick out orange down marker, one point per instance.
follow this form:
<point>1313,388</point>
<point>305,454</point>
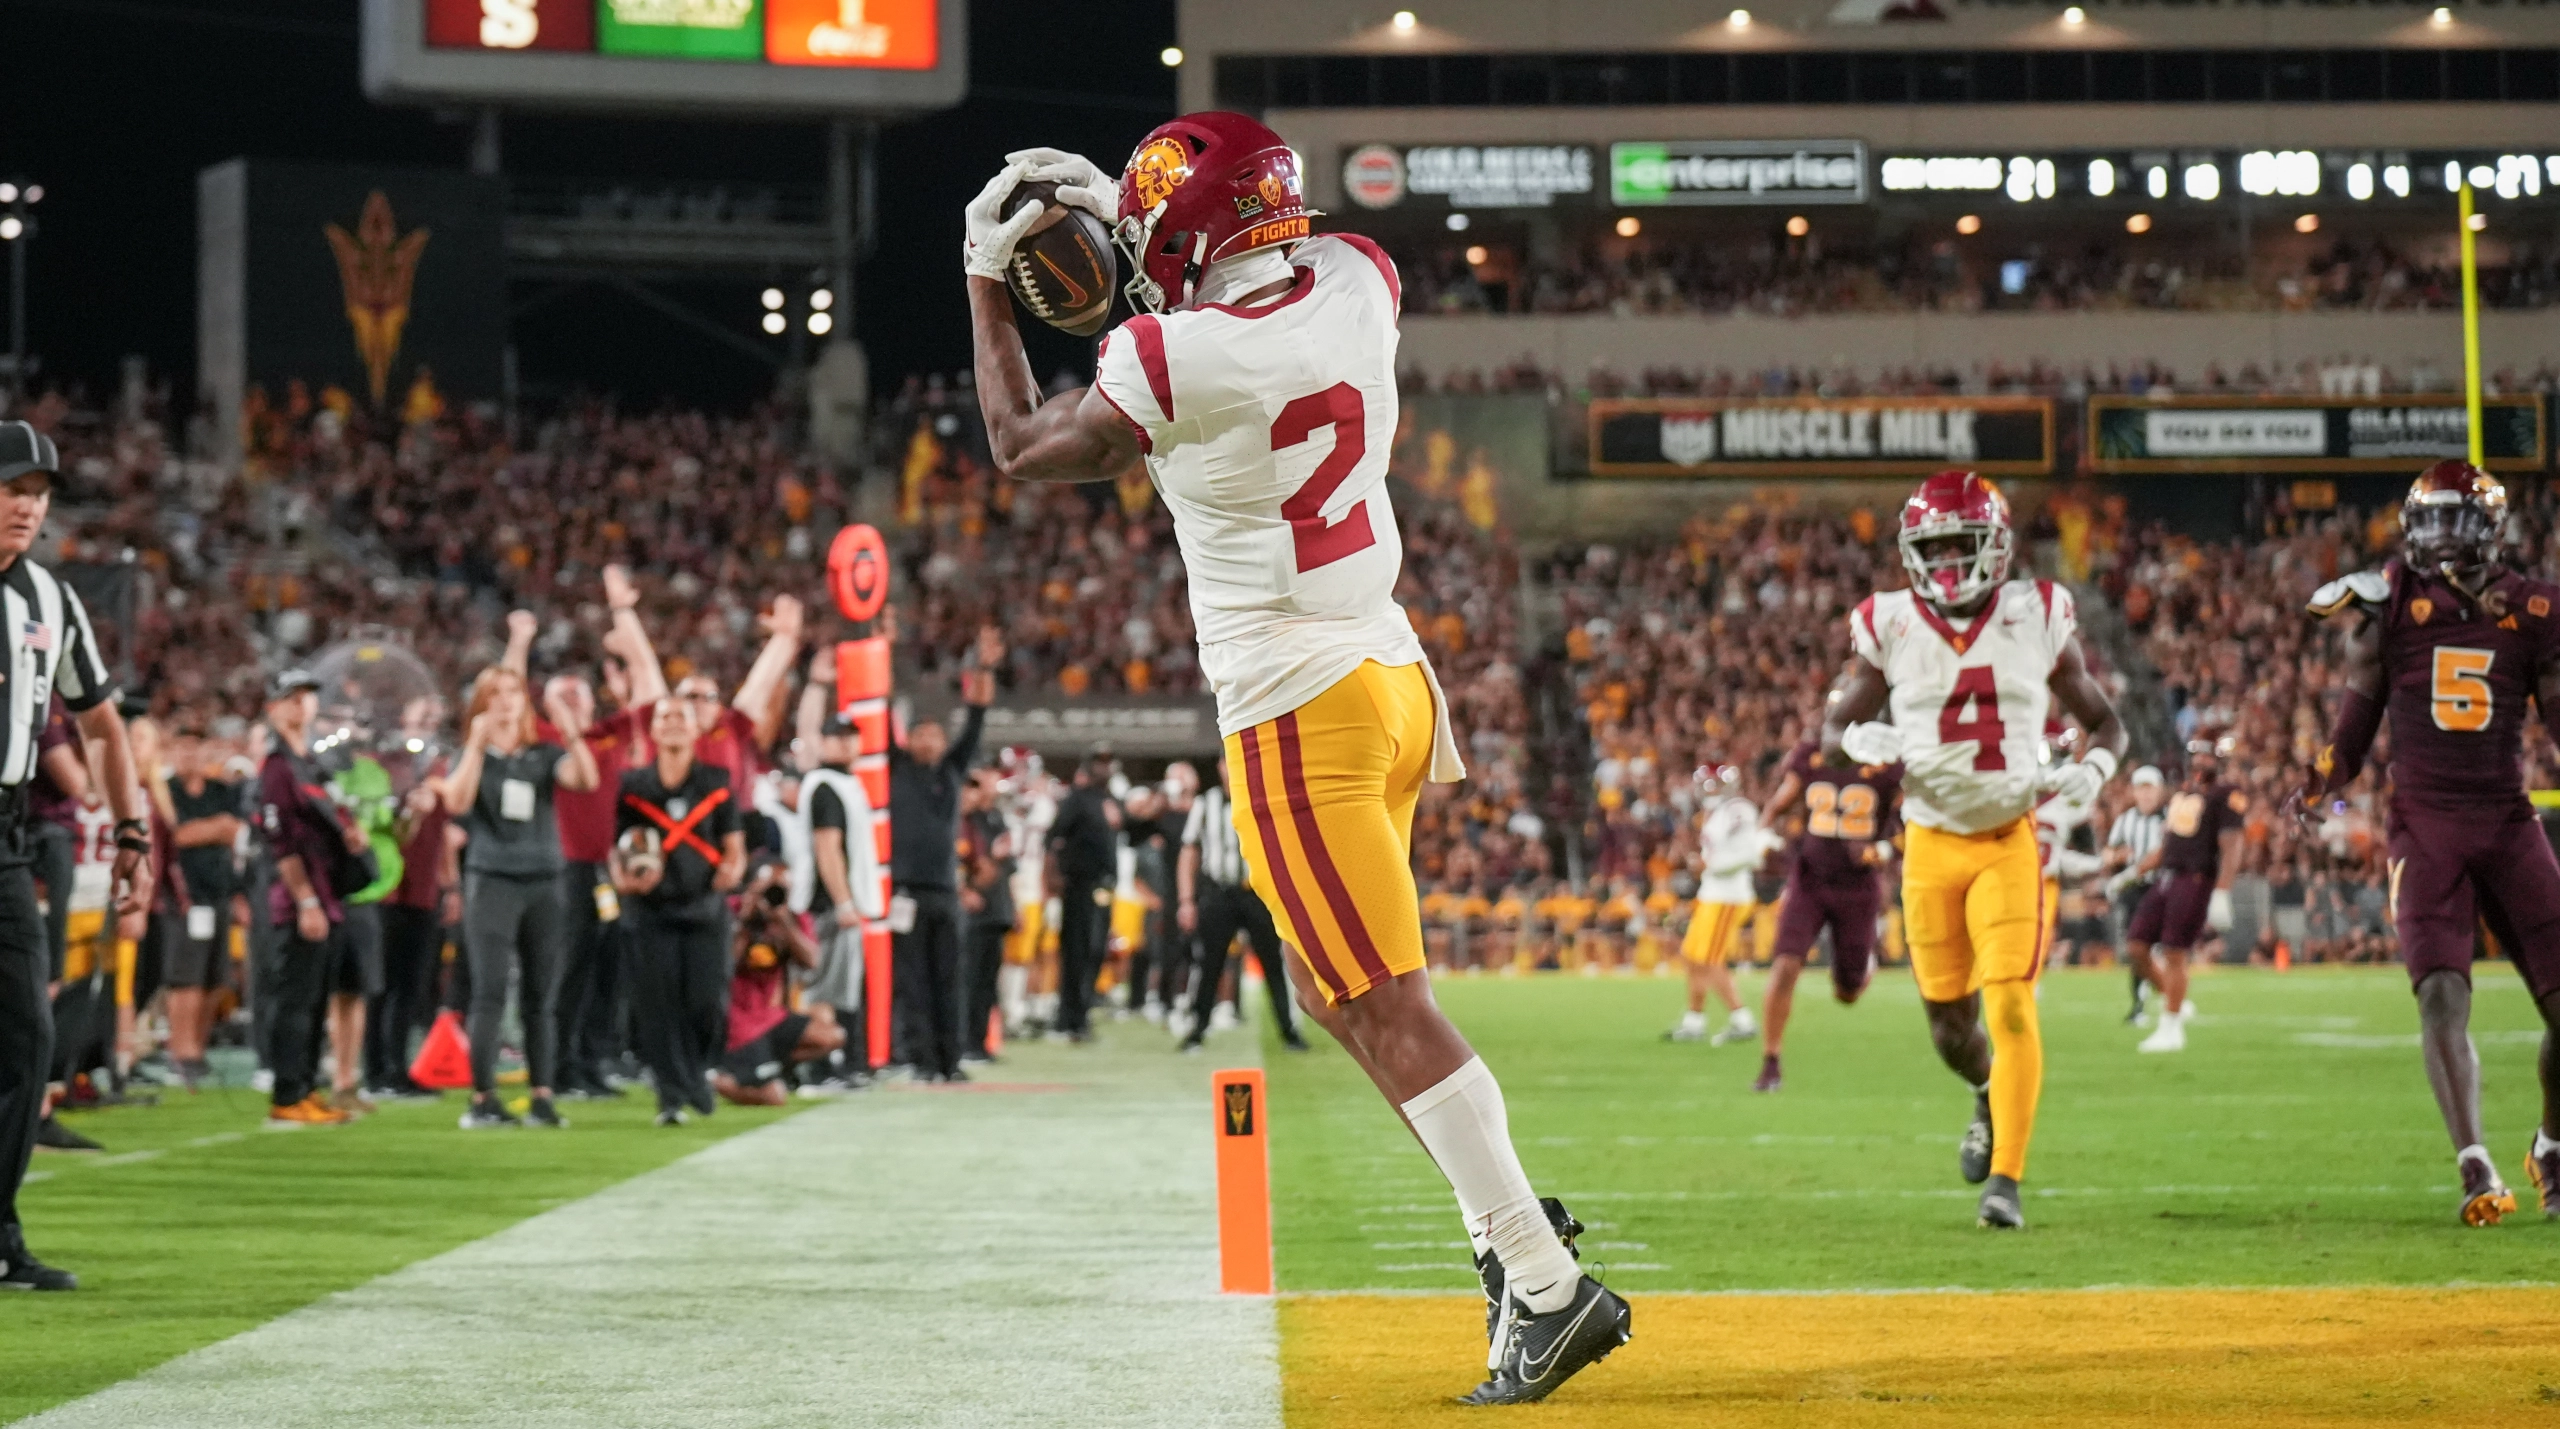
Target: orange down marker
<point>1244,1182</point>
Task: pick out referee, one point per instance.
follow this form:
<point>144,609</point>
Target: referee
<point>46,648</point>
<point>2135,835</point>
<point>1217,902</point>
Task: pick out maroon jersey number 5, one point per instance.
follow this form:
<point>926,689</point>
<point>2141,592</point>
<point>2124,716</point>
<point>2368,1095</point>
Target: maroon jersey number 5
<point>1321,543</point>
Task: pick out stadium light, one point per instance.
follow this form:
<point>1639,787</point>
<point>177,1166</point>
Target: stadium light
<point>2442,17</point>
<point>2395,177</point>
<point>1171,55</point>
<point>2202,182</point>
<point>1739,19</point>
<point>774,323</point>
<point>35,193</point>
<point>2479,222</point>
<point>2360,182</point>
<point>11,227</point>
<point>821,300</point>
<point>2158,181</point>
<point>2138,223</point>
<point>1476,255</point>
<point>2074,16</point>
<point>821,324</point>
<point>8,193</point>
<point>1969,225</point>
<point>773,300</point>
<point>2102,178</point>
<point>1457,223</point>
<point>1798,226</point>
<point>1630,226</point>
<point>2308,223</point>
<point>1404,20</point>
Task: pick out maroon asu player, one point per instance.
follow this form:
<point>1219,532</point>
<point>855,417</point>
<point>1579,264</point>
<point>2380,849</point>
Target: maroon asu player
<point>1848,825</point>
<point>2451,645</point>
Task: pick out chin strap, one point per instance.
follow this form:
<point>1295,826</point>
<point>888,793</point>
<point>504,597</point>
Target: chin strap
<point>2342,758</point>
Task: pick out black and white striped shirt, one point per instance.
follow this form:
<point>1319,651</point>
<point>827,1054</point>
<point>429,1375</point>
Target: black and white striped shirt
<point>1211,830</point>
<point>2137,833</point>
<point>48,649</point>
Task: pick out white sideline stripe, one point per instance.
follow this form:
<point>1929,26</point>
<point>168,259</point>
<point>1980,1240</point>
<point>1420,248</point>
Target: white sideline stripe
<point>891,1261</point>
<point>1407,1292</point>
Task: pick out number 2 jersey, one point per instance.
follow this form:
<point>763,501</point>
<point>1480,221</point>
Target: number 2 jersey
<point>1970,701</point>
<point>1266,430</point>
<point>2458,672</point>
<point>1846,808</point>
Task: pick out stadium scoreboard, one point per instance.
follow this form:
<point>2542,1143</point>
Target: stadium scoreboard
<point>768,57</point>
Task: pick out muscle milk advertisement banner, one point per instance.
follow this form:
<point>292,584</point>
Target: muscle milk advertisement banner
<point>1820,436</point>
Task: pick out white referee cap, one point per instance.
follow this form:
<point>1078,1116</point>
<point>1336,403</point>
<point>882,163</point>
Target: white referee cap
<point>2148,774</point>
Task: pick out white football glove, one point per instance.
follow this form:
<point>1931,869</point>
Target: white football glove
<point>1081,182</point>
<point>986,247</point>
<point>1871,742</point>
<point>2217,911</point>
<point>2076,782</point>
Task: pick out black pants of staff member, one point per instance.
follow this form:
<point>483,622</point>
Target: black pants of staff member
<point>984,957</point>
<point>590,1024</point>
<point>678,971</point>
<point>512,924</point>
<point>1084,932</point>
<point>412,951</point>
<point>303,973</point>
<point>51,846</point>
<point>927,970</point>
<point>26,1023</point>
<point>1226,910</point>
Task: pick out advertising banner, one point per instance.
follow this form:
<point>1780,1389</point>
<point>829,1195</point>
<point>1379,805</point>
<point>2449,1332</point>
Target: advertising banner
<point>1381,176</point>
<point>1148,727</point>
<point>2132,435</point>
<point>1820,436</point>
<point>692,29</point>
<point>1738,172</point>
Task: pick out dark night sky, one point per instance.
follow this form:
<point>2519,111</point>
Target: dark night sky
<point>132,97</point>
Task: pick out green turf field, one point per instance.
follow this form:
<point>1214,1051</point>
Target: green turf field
<point>2294,1143</point>
<point>198,1224</point>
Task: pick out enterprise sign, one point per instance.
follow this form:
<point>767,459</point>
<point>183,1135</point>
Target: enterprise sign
<point>1738,172</point>
<point>1814,436</point>
<point>2309,434</point>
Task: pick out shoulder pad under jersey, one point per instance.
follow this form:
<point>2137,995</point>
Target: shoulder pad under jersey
<point>2371,588</point>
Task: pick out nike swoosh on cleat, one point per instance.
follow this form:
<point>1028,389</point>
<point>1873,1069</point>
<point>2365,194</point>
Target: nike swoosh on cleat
<point>1530,1371</point>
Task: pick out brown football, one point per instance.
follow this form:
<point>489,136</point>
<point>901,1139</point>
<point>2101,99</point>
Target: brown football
<point>1065,268</point>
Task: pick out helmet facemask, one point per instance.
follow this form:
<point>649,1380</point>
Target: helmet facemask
<point>2457,533</point>
<point>1953,562</point>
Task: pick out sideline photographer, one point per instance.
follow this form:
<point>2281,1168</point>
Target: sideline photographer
<point>767,1038</point>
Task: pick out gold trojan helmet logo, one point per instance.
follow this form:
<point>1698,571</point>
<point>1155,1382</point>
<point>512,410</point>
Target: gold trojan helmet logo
<point>1157,170</point>
<point>377,267</point>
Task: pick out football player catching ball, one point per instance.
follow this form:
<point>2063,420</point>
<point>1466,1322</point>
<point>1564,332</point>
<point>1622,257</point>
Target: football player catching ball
<point>1257,382</point>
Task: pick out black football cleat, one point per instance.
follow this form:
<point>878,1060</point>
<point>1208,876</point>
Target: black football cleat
<point>20,1270</point>
<point>1973,1154</point>
<point>2542,1167</point>
<point>1999,1210</point>
<point>52,1135</point>
<point>1540,1352</point>
<point>1489,1269</point>
<point>1770,1079</point>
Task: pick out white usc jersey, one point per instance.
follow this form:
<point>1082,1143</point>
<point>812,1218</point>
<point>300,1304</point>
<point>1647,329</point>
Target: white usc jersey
<point>1970,702</point>
<point>1267,431</point>
<point>1730,848</point>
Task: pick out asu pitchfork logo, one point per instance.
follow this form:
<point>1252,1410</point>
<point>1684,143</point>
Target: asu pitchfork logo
<point>377,268</point>
<point>1239,1097</point>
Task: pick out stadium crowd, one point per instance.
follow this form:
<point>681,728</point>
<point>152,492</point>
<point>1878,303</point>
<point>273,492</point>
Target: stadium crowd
<point>1804,275</point>
<point>484,551</point>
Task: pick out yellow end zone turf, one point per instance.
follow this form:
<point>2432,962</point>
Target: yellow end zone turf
<point>2079,1358</point>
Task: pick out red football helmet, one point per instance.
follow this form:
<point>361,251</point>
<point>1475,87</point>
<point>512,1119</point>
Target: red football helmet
<point>2452,516</point>
<point>1955,538</point>
<point>1205,187</point>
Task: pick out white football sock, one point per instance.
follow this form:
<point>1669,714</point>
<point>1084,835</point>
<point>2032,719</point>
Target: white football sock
<point>2475,1149</point>
<point>2542,1143</point>
<point>1462,1123</point>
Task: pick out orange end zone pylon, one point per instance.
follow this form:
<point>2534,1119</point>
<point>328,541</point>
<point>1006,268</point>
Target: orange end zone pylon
<point>1244,1182</point>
